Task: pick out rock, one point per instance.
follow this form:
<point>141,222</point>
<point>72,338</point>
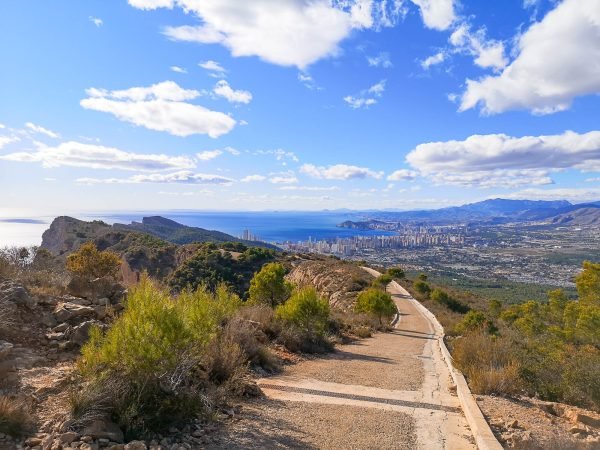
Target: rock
<point>100,312</point>
<point>68,437</point>
<point>15,293</point>
<point>5,349</point>
<point>48,320</point>
<point>105,287</point>
<point>81,333</point>
<point>579,417</point>
<point>99,429</point>
<point>576,429</point>
<point>512,424</point>
<point>61,328</point>
<point>33,441</point>
<point>65,312</point>
<point>136,445</point>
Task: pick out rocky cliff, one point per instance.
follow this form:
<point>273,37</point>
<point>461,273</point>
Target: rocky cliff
<point>338,281</point>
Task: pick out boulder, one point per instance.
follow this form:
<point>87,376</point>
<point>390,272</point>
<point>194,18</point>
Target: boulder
<point>136,445</point>
<point>66,312</point>
<point>580,417</point>
<point>5,349</point>
<point>105,287</point>
<point>104,429</point>
<point>81,333</point>
<point>15,293</point>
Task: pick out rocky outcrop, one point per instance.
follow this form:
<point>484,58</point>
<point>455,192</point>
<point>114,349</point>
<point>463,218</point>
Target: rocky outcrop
<point>11,292</point>
<point>338,281</point>
<point>105,287</point>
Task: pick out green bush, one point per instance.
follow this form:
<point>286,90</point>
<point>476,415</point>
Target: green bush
<point>152,357</point>
<point>396,273</point>
<point>382,281</point>
<point>89,262</point>
<point>14,417</point>
<point>269,286</point>
<point>304,319</point>
<point>377,302</point>
<point>442,297</point>
<point>422,288</point>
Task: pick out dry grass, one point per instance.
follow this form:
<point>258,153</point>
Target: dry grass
<point>487,362</point>
<point>14,417</point>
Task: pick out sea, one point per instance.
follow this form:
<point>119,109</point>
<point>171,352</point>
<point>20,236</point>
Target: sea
<point>273,226</point>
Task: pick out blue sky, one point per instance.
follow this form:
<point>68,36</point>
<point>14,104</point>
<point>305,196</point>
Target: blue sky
<point>296,104</point>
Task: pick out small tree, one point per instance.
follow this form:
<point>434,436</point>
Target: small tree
<point>269,286</point>
<point>422,288</point>
<point>375,301</point>
<point>422,276</point>
<point>396,272</point>
<point>305,310</point>
<point>89,262</point>
<point>382,281</point>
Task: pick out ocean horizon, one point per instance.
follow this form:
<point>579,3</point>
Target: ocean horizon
<point>271,226</point>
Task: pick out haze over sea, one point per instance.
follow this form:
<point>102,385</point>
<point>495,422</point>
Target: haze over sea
<point>268,226</point>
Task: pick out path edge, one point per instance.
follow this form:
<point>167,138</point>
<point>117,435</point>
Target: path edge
<point>482,433</point>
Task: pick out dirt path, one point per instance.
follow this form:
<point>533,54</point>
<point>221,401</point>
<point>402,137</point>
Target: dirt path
<point>389,391</point>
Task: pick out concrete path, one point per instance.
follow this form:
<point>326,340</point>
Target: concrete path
<point>401,373</point>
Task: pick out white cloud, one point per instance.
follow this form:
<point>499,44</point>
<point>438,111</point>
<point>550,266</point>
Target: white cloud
<point>593,180</point>
<point>499,159</point>
<point>366,97</point>
<point>5,140</point>
<point>178,69</point>
<point>76,154</point>
<point>437,14</point>
<point>555,64</point>
<point>181,177</point>
<point>572,194</point>
<point>2,126</point>
<point>381,60</point>
<point>488,53</point>
<point>339,172</point>
<point>273,31</point>
<point>96,21</point>
<point>232,151</point>
<point>433,60</point>
<point>41,130</point>
<point>160,107</point>
<point>207,155</point>
<point>402,175</point>
<point>214,67</point>
<point>222,89</point>
<point>308,81</point>
<point>288,177</point>
<point>280,154</point>
<point>310,188</point>
<point>251,178</point>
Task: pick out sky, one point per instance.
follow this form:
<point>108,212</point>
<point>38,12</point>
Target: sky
<point>127,105</point>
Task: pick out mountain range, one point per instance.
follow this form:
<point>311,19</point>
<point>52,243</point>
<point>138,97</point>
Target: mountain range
<point>494,211</point>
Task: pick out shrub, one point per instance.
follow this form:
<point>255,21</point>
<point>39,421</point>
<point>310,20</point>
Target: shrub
<point>422,288</point>
<point>487,362</point>
<point>14,417</point>
<point>89,262</point>
<point>374,301</point>
<point>150,361</point>
<point>396,272</point>
<point>269,286</point>
<point>442,297</point>
<point>304,320</point>
<point>382,281</point>
<point>588,284</point>
<point>473,321</point>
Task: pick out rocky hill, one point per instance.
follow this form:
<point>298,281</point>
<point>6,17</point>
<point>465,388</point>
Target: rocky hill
<point>66,234</point>
<point>586,216</point>
<point>338,281</point>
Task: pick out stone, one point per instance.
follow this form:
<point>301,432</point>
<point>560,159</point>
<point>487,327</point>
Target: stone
<point>5,349</point>
<point>136,445</point>
<point>100,312</point>
<point>61,328</point>
<point>577,429</point>
<point>67,311</point>
<point>81,333</point>
<point>68,437</point>
<point>17,294</point>
<point>104,287</point>
<point>99,429</point>
<point>33,441</point>
<point>48,320</point>
<point>512,424</point>
<point>586,419</point>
